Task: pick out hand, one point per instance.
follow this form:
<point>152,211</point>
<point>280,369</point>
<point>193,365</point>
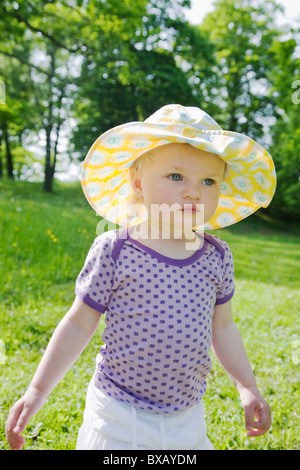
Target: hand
<point>19,415</point>
<point>257,411</point>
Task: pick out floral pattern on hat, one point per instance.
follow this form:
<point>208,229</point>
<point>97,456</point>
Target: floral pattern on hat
<point>249,185</point>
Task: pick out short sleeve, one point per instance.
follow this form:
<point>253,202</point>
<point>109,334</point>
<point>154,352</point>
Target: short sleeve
<point>95,281</point>
<point>226,291</point>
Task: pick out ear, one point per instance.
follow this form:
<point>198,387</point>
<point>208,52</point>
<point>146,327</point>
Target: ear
<point>136,185</point>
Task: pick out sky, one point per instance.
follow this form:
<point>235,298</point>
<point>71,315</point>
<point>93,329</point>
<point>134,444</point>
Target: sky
<point>201,7</point>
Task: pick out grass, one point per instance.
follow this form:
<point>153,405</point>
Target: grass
<point>44,241</point>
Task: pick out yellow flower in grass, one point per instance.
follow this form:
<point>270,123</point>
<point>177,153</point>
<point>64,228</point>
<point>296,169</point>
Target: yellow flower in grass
<point>52,236</point>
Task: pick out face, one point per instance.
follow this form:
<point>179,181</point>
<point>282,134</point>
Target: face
<point>181,176</point>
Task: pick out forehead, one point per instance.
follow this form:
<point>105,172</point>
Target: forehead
<point>185,156</point>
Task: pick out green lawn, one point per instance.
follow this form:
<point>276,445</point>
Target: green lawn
<point>44,241</point>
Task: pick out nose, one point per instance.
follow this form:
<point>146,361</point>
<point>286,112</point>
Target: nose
<point>192,192</point>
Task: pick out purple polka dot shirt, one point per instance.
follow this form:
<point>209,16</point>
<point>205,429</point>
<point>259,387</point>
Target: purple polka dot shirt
<point>158,314</point>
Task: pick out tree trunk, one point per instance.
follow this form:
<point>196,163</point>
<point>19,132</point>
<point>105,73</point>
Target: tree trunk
<point>1,166</point>
<point>48,167</point>
<point>9,158</point>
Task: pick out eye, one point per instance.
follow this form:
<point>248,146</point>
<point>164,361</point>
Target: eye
<point>208,181</point>
<point>175,177</point>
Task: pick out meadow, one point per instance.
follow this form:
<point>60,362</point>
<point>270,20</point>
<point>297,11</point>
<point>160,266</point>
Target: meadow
<point>44,241</point>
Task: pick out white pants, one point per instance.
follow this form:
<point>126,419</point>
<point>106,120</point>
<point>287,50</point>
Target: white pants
<point>110,424</point>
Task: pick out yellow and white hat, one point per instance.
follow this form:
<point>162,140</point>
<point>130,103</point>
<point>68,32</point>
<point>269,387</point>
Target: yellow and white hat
<point>250,182</point>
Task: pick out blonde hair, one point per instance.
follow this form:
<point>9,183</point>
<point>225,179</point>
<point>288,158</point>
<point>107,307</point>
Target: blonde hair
<point>136,170</point>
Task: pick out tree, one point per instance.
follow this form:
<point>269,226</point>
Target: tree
<point>17,113</point>
<point>155,58</point>
<point>114,43</point>
<point>285,75</point>
<point>39,37</point>
<point>258,66</point>
<point>243,32</point>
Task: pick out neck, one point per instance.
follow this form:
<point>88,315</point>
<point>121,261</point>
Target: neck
<point>152,231</point>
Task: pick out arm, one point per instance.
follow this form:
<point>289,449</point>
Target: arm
<point>228,348</point>
<point>70,338</point>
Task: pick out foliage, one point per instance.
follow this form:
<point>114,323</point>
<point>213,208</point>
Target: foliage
<point>242,34</point>
<point>47,237</point>
<point>152,60</point>
<point>74,69</point>
<point>93,49</point>
<point>286,131</point>
<point>254,98</point>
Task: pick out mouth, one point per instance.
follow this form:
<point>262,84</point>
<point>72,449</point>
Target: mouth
<point>190,209</point>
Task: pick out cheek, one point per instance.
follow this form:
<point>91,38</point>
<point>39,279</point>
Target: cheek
<point>157,193</point>
<point>211,200</point>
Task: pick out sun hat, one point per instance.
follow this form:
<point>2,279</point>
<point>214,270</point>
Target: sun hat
<point>249,184</point>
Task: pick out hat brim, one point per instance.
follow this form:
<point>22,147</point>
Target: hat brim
<point>249,185</point>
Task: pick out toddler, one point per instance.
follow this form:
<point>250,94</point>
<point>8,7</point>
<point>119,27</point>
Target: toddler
<point>164,284</point>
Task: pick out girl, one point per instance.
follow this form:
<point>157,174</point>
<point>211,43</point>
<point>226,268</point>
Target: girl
<point>164,284</point>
